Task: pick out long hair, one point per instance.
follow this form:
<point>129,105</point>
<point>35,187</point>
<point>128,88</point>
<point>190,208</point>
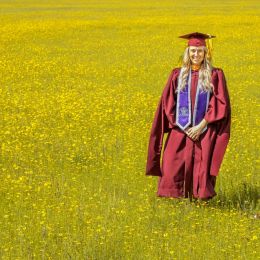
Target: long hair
<point>204,72</point>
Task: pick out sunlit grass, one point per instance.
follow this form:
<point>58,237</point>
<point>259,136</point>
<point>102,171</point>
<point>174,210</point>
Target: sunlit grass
<point>79,86</point>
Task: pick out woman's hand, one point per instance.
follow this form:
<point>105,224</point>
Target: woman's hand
<point>195,131</point>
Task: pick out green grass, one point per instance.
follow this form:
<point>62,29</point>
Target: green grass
<point>80,82</point>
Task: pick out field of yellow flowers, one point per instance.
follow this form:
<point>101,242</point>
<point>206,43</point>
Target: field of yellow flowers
<point>80,82</point>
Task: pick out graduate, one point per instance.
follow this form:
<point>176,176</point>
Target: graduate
<point>194,109</point>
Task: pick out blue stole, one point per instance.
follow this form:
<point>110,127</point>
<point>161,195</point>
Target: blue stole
<point>183,106</point>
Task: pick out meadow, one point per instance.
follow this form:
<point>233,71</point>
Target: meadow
<point>80,82</point>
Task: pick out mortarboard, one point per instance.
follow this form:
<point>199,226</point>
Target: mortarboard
<point>196,38</point>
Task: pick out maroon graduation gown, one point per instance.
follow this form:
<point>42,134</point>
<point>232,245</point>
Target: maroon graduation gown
<point>189,167</point>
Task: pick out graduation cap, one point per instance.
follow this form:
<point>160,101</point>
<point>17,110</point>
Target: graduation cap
<point>196,38</point>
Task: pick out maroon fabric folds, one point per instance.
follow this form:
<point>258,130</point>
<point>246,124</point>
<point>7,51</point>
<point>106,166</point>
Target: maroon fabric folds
<point>189,166</point>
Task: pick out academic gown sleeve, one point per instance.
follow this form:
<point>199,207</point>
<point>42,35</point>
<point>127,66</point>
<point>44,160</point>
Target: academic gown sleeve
<point>160,126</point>
<point>219,112</point>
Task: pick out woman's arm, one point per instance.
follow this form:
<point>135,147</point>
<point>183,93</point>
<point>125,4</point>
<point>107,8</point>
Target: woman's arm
<point>159,128</point>
<point>203,123</point>
<point>220,112</point>
<point>219,104</point>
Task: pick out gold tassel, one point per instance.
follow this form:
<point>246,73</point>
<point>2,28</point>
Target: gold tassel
<point>209,44</point>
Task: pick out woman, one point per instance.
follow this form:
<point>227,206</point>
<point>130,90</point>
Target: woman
<point>195,111</point>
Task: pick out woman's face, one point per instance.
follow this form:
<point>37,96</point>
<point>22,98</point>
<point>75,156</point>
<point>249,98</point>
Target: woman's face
<point>196,54</point>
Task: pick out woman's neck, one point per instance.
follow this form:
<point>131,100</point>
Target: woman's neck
<point>195,66</point>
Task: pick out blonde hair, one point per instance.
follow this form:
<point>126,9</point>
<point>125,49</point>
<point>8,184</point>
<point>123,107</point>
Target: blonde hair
<point>204,72</point>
